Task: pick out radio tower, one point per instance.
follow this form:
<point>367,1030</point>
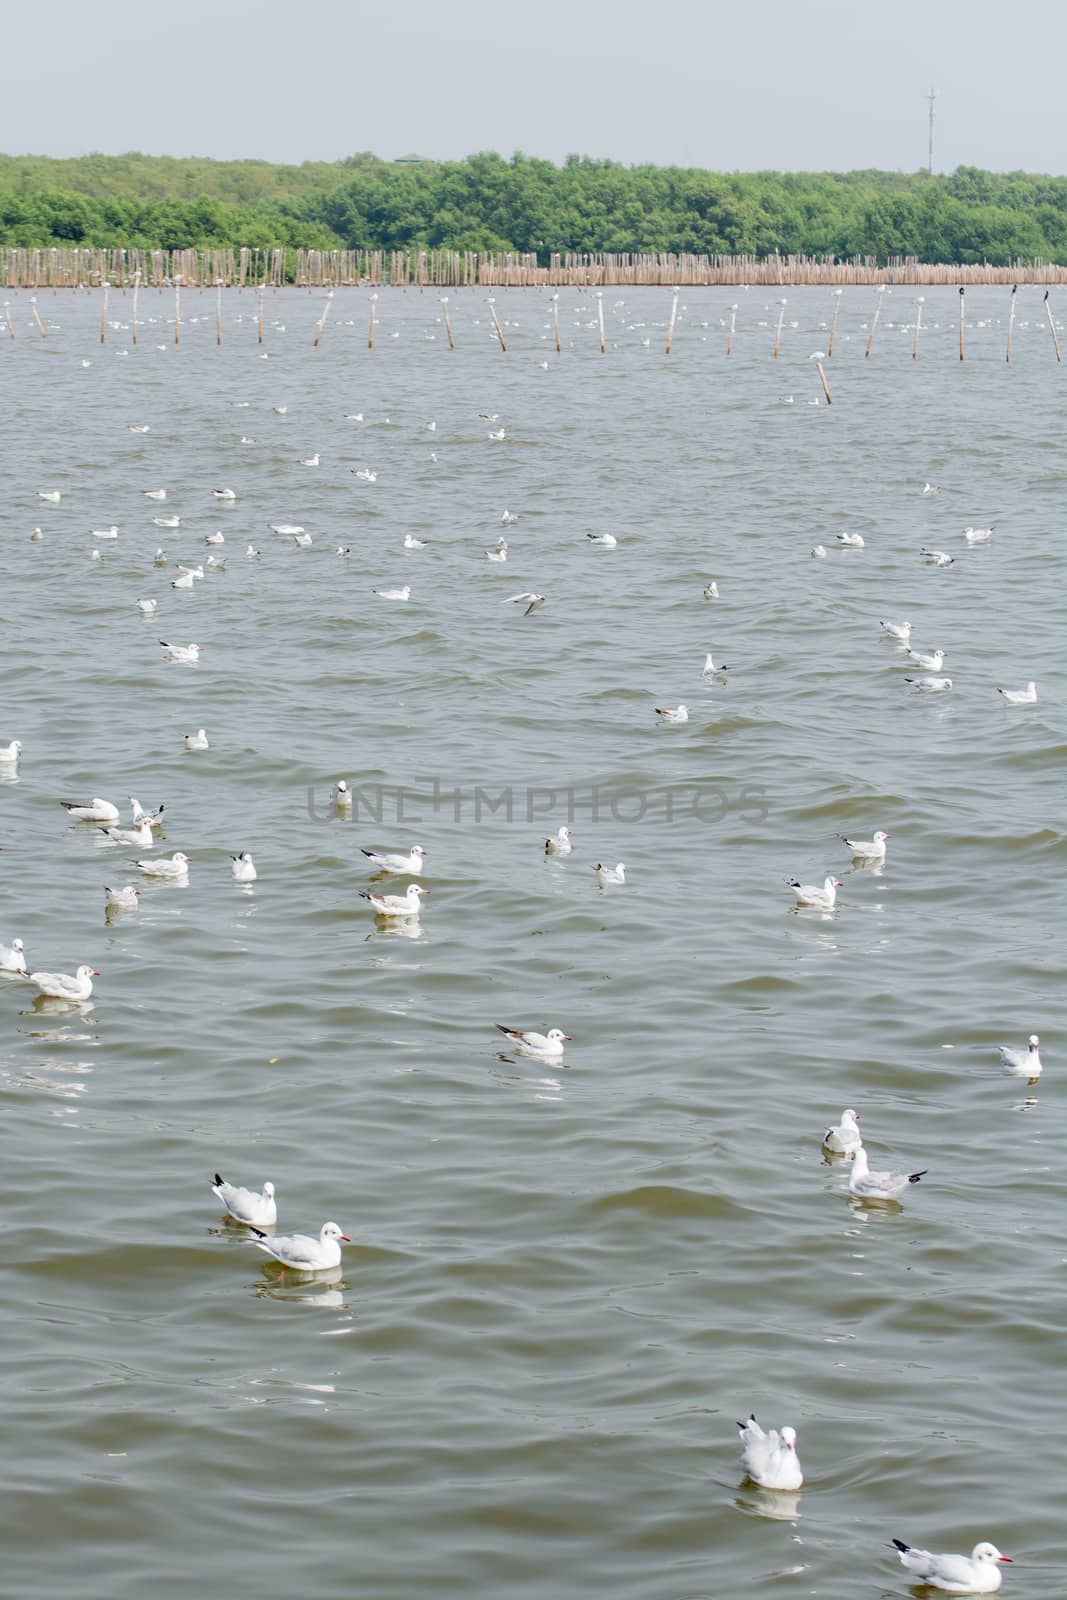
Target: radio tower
<point>930,156</point>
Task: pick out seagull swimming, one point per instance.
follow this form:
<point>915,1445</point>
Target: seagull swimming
<point>897,630</point>
<point>770,1459</point>
<point>292,528</point>
<point>302,541</point>
<point>867,849</point>
<point>932,662</point>
<point>175,866</point>
<point>1020,697</point>
<point>53,496</point>
<point>245,1205</point>
<point>139,814</point>
<point>184,580</point>
<point>846,1136</point>
<point>94,811</point>
<point>937,558</point>
<point>180,652</point>
<point>931,488</point>
<point>868,1185</point>
<point>559,844</point>
<point>160,558</point>
<point>411,543</point>
<point>341,795</point>
<point>12,958</point>
<point>224,494</point>
<point>608,540</point>
<point>606,875</point>
<point>809,894</point>
<point>508,518</point>
<point>397,905</point>
<point>548,1045</point>
<point>166,522</point>
<point>394,594</point>
<point>243,868</point>
<point>154,494</point>
<point>818,550</point>
<point>679,714</point>
<point>1019,1063</point>
<point>310,461</point>
<point>711,590</point>
<point>978,535</point>
<point>302,1253</point>
<point>9,753</point>
<point>850,541</point>
<point>528,598</point>
<point>499,551</point>
<point>978,1573</point>
<point>930,685</point>
<point>411,863</point>
<point>215,538</point>
<point>197,740</point>
<point>60,986</point>
<point>148,608</point>
<point>104,533</point>
<point>124,899</point>
<point>140,835</point>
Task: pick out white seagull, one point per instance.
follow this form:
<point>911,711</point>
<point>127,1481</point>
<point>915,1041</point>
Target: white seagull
<point>679,714</point>
<point>548,1045</point>
<point>818,550</point>
<point>310,461</point>
<point>867,849</point>
<point>1021,697</point>
<point>394,594</point>
<point>245,1205</point>
<point>397,905</point>
<point>897,630</point>
<point>175,866</point>
<point>499,551</point>
<point>868,1185</point>
<point>104,533</point>
<point>809,894</point>
<point>148,608</point>
<point>53,496</point>
<point>124,899</point>
<point>937,558</point>
<point>252,553</point>
<point>197,740</point>
<point>292,528</point>
<point>95,811</point>
<point>224,494</point>
<point>930,685</point>
<point>9,753</point>
<point>138,813</point>
<point>931,488</point>
<point>184,580</point>
<point>243,868</point>
<point>60,986</point>
<point>341,795</point>
<point>1019,1063</point>
<point>140,835</point>
<point>711,590</point>
<point>978,1573</point>
<point>606,875</point>
<point>166,522</point>
<point>930,662</point>
<point>155,494</point>
<point>412,543</point>
<point>302,541</point>
<point>850,541</point>
<point>508,518</point>
<point>978,535</point>
<point>846,1136</point>
<point>411,863</point>
<point>12,958</point>
<point>710,669</point>
<point>608,540</point>
<point>160,558</point>
<point>180,652</point>
<point>559,844</point>
<point>216,538</point>
<point>302,1253</point>
<point>527,598</point>
<point>770,1459</point>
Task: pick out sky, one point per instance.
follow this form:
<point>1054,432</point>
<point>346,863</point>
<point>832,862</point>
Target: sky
<point>819,85</point>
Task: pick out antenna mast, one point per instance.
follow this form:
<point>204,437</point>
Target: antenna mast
<point>930,157</point>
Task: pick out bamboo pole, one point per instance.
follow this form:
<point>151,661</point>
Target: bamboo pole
<point>670,326</point>
<point>1052,325</point>
<point>40,324</point>
<point>448,325</point>
<point>370,330</point>
<point>177,307</point>
<point>136,289</point>
<point>322,320</point>
<point>963,294</point>
<point>833,325</point>
<point>818,359</point>
<point>496,323</point>
<point>778,332</point>
<point>7,319</point>
<point>260,292</point>
<point>600,317</point>
<point>218,310</point>
<point>555,318</point>
<point>874,320</point>
<point>920,301</point>
<point>730,336</point>
<point>103,312</point>
<point>1011,323</point>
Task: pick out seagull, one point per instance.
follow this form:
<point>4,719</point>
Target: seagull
<point>978,535</point>
<point>978,1573</point>
<point>175,866</point>
<point>549,1045</point>
<point>711,590</point>
<point>138,427</point>
<point>818,550</point>
<point>710,669</point>
<point>930,685</point>
<point>302,541</point>
<point>411,543</point>
<point>286,527</point>
<point>36,536</point>
<point>394,594</point>
<point>608,540</point>
<point>244,439</point>
<point>850,541</point>
<point>499,551</point>
<point>252,553</point>
<point>527,598</point>
<point>931,488</point>
<point>12,958</point>
<point>166,522</point>
<point>95,811</point>
<point>184,580</point>
<point>148,608</point>
<point>215,564</point>
<point>280,411</point>
<point>104,533</point>
<point>867,849</point>
<point>606,875</point>
<point>846,1136</point>
<point>1020,697</point>
<point>124,899</point>
<point>877,1185</point>
<point>53,496</point>
<point>397,905</point>
<point>365,474</point>
<point>180,652</point>
<point>154,494</point>
<point>937,558</point>
<point>245,1205</point>
<point>341,795</point>
<point>1020,1063</point>
<point>559,844</point>
<point>679,714</point>
<point>497,434</point>
<point>141,834</point>
<point>897,630</point>
<point>770,1459</point>
<point>297,1250</point>
<point>243,868</point>
<point>60,986</point>
<point>411,863</point>
<point>310,461</point>
<point>215,538</point>
<point>933,662</point>
<point>809,894</point>
<point>160,558</point>
<point>9,753</point>
<point>139,814</point>
<point>508,518</point>
<point>224,494</point>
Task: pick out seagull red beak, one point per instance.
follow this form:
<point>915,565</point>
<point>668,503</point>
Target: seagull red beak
<point>347,1240</point>
<point>95,973</point>
<point>566,1035</point>
<point>1005,1558</point>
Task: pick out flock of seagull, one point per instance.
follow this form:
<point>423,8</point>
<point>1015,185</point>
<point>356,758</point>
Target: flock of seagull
<point>769,1458</point>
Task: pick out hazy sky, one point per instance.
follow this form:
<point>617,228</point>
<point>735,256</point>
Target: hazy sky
<point>768,83</point>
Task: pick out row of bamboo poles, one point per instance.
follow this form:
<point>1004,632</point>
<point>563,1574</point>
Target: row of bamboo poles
<point>55,268</point>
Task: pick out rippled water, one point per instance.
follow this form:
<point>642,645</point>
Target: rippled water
<point>566,1282</point>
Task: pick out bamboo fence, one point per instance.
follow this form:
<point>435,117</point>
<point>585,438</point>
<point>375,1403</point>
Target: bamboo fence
<point>61,268</point>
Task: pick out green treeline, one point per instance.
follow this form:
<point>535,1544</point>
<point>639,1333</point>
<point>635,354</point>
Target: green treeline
<point>489,203</point>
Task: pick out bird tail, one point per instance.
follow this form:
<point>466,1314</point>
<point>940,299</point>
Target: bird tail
<point>257,1231</point>
<point>898,1544</point>
<point>913,1177</point>
<point>219,1179</point>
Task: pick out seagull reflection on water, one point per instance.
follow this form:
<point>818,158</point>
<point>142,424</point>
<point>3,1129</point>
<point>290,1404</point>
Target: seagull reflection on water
<point>303,1288</point>
<point>779,1505</point>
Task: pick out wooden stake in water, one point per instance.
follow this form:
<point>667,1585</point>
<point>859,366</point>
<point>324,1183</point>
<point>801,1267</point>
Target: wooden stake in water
<point>136,288</point>
<point>7,319</point>
<point>919,303</point>
<point>833,324</point>
<point>962,298</point>
<point>322,320</point>
<point>370,330</point>
<point>40,324</point>
<point>874,320</point>
<point>1052,325</point>
<point>778,332</point>
<point>259,313</point>
<point>1011,323</point>
<point>600,318</point>
<point>496,323</point>
<point>448,325</point>
<point>555,319</point>
<point>103,314</point>
<point>670,326</point>
<point>177,309</point>
<point>730,336</point>
<point>218,310</point>
<point>818,359</point>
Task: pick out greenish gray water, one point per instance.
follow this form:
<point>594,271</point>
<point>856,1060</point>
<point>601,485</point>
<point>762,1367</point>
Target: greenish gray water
<point>565,1282</point>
